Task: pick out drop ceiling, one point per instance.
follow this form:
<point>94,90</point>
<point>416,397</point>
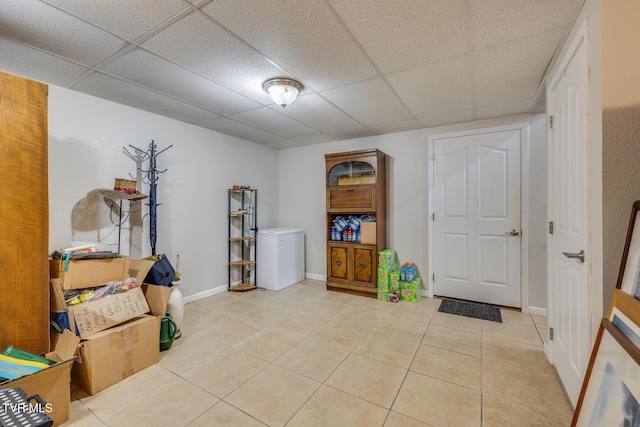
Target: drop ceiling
<point>369,67</point>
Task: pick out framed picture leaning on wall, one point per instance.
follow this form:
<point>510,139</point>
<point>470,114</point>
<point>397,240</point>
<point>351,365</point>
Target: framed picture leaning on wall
<point>610,394</point>
<point>629,275</point>
<point>624,313</point>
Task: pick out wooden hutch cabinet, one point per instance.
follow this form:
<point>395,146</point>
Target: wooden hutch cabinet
<point>356,187</point>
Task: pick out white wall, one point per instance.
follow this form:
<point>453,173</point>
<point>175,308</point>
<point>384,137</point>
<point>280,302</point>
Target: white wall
<point>620,131</point>
<point>86,140</point>
<point>302,195</point>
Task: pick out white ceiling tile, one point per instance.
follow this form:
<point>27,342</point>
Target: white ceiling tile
<point>287,143</point>
<point>109,88</point>
<point>511,71</point>
<point>396,127</point>
<point>353,133</point>
<point>369,67</point>
<point>447,119</point>
<point>495,21</point>
<point>435,89</point>
<point>140,17</point>
<point>398,35</point>
<point>316,139</point>
<point>371,102</point>
<point>232,127</point>
<point>200,45</point>
<point>36,65</point>
<point>157,73</point>
<point>273,122</point>
<point>300,36</point>
<point>318,113</point>
<point>501,110</point>
<point>47,28</point>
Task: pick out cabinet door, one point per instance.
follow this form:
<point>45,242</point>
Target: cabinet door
<point>338,262</point>
<point>354,199</point>
<point>364,265</point>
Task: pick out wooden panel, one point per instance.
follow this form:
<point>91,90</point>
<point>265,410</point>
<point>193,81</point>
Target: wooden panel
<point>339,261</point>
<point>359,198</point>
<point>364,265</point>
<point>24,214</point>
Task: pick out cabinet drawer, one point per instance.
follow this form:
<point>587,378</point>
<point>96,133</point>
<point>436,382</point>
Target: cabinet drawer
<point>351,199</point>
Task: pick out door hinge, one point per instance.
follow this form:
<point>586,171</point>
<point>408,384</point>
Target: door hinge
<point>433,217</point>
<point>550,227</point>
<point>433,156</point>
<point>433,276</point>
<point>551,122</point>
<point>551,334</point>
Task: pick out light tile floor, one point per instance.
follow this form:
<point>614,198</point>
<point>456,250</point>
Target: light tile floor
<point>307,357</point>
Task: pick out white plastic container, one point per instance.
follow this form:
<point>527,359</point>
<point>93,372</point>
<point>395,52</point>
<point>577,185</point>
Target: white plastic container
<point>280,257</point>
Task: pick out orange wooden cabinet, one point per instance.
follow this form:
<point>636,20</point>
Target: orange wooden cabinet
<point>356,186</point>
<point>24,214</point>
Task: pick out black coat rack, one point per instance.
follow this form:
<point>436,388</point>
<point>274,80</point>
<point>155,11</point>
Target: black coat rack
<point>152,176</point>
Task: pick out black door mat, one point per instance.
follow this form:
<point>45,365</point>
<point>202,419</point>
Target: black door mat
<point>467,309</point>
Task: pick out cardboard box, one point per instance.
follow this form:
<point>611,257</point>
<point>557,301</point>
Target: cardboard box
<point>157,298</point>
<point>356,180</point>
<point>368,233</point>
<point>59,311</point>
<point>383,279</point>
<point>88,273</point>
<point>394,281</point>
<point>387,259</point>
<point>52,383</point>
<point>139,268</point>
<point>411,290</point>
<point>110,356</point>
<point>95,316</point>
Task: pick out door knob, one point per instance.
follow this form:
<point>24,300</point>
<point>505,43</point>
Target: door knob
<point>575,255</point>
<point>512,233</point>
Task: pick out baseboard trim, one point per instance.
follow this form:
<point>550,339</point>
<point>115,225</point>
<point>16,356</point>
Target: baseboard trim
<point>315,276</point>
<point>537,311</point>
<point>204,294</point>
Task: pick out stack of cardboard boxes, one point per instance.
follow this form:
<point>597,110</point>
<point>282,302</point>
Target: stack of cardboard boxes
<point>119,333</point>
<point>113,337</point>
<point>410,285</point>
<point>388,276</point>
<point>395,283</point>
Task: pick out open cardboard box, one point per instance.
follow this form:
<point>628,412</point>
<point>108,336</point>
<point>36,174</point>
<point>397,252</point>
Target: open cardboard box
<point>157,296</point>
<point>88,273</point>
<point>118,338</point>
<point>52,383</point>
<point>110,356</point>
<point>95,316</point>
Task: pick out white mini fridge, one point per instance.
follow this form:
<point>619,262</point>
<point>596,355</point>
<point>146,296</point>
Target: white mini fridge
<point>280,257</point>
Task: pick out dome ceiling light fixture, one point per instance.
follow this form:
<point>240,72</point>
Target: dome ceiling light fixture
<point>282,91</point>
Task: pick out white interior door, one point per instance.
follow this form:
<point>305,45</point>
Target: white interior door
<point>477,223</point>
<point>568,292</point>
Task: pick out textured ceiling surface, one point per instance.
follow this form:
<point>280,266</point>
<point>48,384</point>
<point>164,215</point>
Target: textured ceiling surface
<point>368,67</point>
